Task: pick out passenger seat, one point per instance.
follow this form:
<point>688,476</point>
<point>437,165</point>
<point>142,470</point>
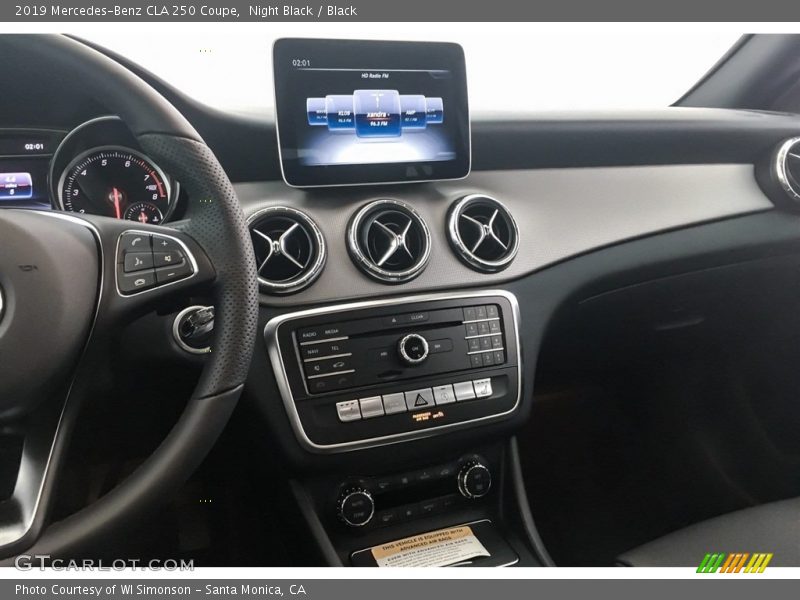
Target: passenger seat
<point>769,528</point>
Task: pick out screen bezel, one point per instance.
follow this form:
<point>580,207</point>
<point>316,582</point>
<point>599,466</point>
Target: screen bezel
<point>372,55</point>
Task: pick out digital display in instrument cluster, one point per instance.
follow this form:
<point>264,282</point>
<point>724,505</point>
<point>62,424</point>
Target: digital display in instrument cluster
<point>352,112</point>
<point>23,182</point>
<point>24,162</point>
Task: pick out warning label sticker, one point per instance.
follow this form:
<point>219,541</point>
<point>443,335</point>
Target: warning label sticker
<point>434,549</point>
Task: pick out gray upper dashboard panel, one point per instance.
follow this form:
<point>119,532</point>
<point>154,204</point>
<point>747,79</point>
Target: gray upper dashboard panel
<point>561,213</point>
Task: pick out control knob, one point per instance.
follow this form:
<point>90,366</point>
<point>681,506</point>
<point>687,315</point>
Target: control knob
<point>355,507</point>
<point>474,480</point>
<point>413,349</point>
<point>193,329</point>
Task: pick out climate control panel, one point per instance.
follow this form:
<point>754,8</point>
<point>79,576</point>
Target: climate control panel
<point>386,500</point>
<point>369,373</point>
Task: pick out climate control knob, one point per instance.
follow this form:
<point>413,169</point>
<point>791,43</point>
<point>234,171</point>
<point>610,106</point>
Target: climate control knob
<point>355,507</point>
<point>413,349</point>
<point>474,480</point>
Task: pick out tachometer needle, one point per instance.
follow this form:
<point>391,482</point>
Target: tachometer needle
<point>116,195</point>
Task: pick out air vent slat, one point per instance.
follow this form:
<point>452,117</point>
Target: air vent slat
<point>289,249</point>
<point>483,233</point>
<point>389,241</point>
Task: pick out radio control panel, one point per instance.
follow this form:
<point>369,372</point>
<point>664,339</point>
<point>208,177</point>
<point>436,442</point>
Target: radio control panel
<point>368,373</point>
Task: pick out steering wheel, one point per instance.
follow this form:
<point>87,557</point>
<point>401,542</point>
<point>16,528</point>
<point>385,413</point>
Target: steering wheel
<point>62,307</point>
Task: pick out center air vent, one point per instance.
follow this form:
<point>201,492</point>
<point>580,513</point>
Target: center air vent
<point>289,249</point>
<point>389,241</point>
<point>483,233</point>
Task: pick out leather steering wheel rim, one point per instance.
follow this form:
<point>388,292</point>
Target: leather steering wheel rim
<point>215,220</point>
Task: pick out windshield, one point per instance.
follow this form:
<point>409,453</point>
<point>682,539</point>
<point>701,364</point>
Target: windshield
<point>509,68</point>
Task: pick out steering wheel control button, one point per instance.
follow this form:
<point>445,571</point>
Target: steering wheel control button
<point>169,274</point>
<point>418,399</point>
<point>165,244</point>
<point>394,403</point>
<point>483,388</point>
<point>371,407</point>
<point>136,282</point>
<point>413,349</point>
<point>138,261</point>
<point>356,507</point>
<point>474,480</point>
<point>134,242</point>
<point>444,394</point>
<point>464,391</point>
<point>167,259</point>
<point>348,411</point>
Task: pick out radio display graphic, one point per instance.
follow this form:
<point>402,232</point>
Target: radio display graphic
<point>358,112</point>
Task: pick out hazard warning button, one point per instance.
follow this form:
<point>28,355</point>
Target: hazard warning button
<point>418,399</point>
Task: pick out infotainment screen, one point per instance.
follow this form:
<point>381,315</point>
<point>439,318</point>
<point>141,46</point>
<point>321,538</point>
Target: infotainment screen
<point>359,112</point>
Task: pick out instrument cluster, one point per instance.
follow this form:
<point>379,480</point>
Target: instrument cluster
<point>97,168</point>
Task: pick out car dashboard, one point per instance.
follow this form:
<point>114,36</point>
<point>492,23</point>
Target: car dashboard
<point>401,323</point>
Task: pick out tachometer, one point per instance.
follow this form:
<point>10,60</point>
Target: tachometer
<point>114,181</point>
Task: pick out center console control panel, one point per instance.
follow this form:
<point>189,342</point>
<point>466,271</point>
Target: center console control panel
<point>387,500</point>
<point>369,373</point>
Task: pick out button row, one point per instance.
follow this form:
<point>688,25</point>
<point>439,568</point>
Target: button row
<point>331,382</point>
<point>318,335</point>
<point>406,319</point>
<point>492,358</point>
<point>484,344</point>
<point>389,404</point>
<point>410,511</point>
<point>145,261</point>
<point>329,366</point>
<point>481,313</point>
<point>324,349</point>
<point>479,328</point>
<point>420,477</point>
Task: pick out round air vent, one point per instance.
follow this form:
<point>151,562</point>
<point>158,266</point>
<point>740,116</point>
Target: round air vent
<point>786,167</point>
<point>389,241</point>
<point>483,233</point>
<point>289,249</point>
